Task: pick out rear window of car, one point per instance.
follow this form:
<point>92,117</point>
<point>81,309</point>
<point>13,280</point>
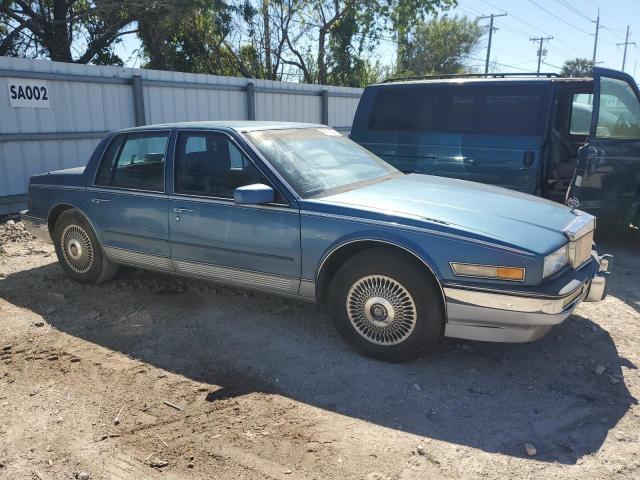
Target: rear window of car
<point>463,109</point>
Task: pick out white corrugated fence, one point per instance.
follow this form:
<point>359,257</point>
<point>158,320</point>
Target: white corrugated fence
<point>53,114</point>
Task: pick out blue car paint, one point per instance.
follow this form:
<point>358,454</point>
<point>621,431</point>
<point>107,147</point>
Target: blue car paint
<point>437,220</point>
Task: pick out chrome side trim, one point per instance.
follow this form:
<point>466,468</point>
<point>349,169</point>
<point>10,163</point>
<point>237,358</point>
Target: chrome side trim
<point>235,276</point>
<point>120,255</point>
<point>131,191</point>
<point>228,202</point>
<point>37,227</point>
<point>580,226</point>
<point>55,187</point>
<point>383,223</point>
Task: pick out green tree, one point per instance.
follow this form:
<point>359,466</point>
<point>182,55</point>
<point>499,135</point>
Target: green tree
<point>80,31</point>
<point>440,46</point>
<point>578,67</point>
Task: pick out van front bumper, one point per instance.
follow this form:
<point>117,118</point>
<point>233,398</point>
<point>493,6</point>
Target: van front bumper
<point>491,315</point>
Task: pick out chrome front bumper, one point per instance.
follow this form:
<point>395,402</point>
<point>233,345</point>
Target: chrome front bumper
<point>37,227</point>
<point>494,316</point>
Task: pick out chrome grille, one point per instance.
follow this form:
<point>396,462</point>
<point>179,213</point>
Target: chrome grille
<point>580,249</point>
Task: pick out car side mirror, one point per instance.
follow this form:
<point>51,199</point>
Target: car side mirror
<point>256,194</point>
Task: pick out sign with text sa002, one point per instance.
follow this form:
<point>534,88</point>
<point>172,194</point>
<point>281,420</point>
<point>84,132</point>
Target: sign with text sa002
<point>28,93</point>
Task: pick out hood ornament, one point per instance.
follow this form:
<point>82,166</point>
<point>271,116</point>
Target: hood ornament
<point>573,202</point>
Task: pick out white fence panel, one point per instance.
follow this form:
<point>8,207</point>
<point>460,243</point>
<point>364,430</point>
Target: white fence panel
<point>86,102</point>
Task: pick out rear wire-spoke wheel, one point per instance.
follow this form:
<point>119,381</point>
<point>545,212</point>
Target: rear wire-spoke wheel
<point>77,248</point>
<point>79,251</point>
<point>381,310</point>
<point>386,304</point>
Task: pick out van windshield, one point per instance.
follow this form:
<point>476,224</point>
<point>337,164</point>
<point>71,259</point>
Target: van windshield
<point>319,161</point>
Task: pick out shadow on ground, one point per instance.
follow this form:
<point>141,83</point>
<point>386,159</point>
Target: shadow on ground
<point>493,397</point>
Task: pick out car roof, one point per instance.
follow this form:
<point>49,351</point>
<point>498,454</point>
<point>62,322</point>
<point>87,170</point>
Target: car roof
<point>238,125</point>
<point>481,80</point>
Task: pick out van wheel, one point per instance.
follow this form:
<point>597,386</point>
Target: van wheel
<point>386,306</point>
<point>79,251</point>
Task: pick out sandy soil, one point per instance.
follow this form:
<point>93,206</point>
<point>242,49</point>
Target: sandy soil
<point>151,376</point>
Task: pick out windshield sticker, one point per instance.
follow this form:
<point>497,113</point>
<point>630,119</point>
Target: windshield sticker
<point>330,132</point>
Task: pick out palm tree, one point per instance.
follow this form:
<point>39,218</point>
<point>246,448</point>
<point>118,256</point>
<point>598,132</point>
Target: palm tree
<point>578,67</point>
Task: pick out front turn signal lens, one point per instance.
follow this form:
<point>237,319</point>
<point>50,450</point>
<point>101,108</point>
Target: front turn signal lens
<point>515,274</point>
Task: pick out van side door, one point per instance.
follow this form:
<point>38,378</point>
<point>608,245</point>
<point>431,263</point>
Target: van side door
<point>402,125</point>
<point>607,179</point>
<point>494,134</point>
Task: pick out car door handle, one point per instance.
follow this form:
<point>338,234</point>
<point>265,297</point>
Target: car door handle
<point>184,210</point>
<point>100,200</point>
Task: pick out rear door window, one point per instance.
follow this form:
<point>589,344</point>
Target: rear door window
<point>135,161</point>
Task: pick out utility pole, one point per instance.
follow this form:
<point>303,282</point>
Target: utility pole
<point>491,29</point>
<point>626,44</point>
<point>595,44</point>
<point>541,40</point>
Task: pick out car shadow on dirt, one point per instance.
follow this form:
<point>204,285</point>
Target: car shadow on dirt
<point>493,397</point>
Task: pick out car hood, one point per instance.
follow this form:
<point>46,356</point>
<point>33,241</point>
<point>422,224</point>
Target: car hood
<point>529,222</point>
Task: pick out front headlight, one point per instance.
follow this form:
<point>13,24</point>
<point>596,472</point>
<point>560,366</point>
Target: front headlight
<point>555,261</point>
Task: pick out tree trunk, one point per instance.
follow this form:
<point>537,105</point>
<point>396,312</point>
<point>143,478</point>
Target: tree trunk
<point>322,66</point>
<point>56,38</point>
<point>270,74</point>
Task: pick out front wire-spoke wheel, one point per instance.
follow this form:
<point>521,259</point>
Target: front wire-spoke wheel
<point>381,309</point>
<point>386,304</point>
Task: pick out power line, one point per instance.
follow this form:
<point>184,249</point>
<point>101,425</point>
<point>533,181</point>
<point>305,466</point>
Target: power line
<point>555,16</point>
<point>573,9</point>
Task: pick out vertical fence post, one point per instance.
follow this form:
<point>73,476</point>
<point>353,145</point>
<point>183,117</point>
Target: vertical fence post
<point>325,107</point>
<point>251,101</point>
<point>138,100</point>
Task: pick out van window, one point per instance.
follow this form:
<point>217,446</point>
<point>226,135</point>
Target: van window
<point>495,110</point>
<point>462,114</point>
<point>513,113</point>
<point>619,115</point>
<point>581,110</point>
<point>408,109</point>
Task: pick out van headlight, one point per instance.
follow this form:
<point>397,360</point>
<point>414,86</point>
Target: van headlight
<point>555,261</point>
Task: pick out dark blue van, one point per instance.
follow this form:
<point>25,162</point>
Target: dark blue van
<point>572,140</point>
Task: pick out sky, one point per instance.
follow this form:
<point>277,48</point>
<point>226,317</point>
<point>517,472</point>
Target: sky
<point>571,23</point>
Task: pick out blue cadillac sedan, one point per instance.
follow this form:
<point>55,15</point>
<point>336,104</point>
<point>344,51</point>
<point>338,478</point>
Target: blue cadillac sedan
<point>300,210</point>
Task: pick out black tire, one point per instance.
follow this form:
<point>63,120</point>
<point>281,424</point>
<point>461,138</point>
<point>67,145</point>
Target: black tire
<point>79,252</point>
<point>407,323</point>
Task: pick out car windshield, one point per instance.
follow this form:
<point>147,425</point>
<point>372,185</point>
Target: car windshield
<point>319,161</point>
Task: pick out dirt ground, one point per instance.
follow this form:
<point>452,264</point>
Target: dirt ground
<point>152,376</point>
